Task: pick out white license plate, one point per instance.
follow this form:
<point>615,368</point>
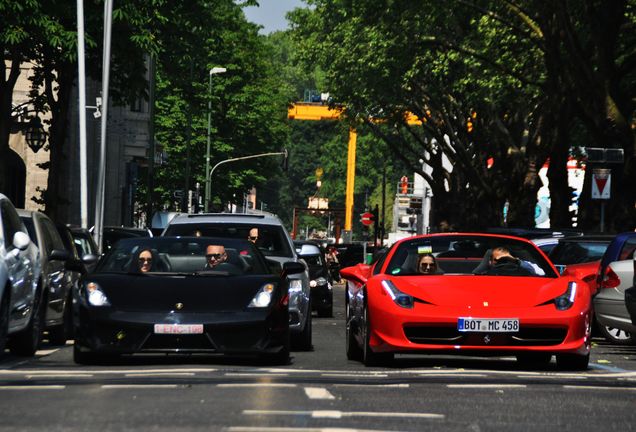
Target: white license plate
<point>178,328</point>
<point>506,325</point>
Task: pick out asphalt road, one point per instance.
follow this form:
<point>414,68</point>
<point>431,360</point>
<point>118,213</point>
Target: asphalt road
<point>319,391</point>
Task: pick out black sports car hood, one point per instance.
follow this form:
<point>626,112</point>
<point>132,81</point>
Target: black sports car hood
<point>162,293</point>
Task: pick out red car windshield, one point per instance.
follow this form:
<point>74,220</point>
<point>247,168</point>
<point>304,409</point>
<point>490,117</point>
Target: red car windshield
<point>468,255</point>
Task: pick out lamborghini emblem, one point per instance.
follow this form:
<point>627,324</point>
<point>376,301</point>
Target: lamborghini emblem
<point>485,304</point>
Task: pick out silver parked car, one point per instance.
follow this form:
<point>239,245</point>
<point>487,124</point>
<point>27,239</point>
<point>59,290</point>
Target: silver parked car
<point>609,302</point>
<point>271,237</point>
<point>21,293</point>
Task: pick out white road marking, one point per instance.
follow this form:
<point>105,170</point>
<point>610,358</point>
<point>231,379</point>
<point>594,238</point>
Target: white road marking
<point>497,386</point>
<point>340,414</point>
<point>254,374</point>
<point>102,371</point>
<point>159,374</point>
<point>453,375</point>
<point>340,375</point>
<point>556,377</point>
<point>250,385</point>
<point>60,375</point>
<point>34,387</point>
<point>576,387</point>
<point>318,393</point>
<point>373,385</point>
<point>295,429</point>
<point>140,386</point>
<point>46,352</point>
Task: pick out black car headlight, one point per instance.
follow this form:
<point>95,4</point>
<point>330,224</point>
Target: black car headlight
<point>95,296</point>
<point>399,298</point>
<point>263,297</point>
<point>566,300</point>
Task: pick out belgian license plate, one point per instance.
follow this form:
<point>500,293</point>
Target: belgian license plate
<point>504,325</point>
<point>178,328</point>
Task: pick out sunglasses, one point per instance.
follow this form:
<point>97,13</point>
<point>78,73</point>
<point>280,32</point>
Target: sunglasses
<point>216,256</point>
<point>427,265</point>
<point>145,260</point>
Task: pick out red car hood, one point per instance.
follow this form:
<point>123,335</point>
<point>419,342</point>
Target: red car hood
<point>498,291</point>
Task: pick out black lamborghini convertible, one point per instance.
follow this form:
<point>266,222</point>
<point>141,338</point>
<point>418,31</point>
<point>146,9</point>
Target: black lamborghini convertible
<point>162,295</point>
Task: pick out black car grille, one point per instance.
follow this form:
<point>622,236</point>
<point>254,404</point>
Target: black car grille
<point>447,335</point>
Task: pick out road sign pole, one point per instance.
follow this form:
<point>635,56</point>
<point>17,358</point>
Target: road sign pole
<point>603,216</point>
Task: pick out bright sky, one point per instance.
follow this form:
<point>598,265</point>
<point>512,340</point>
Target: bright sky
<point>271,13</point>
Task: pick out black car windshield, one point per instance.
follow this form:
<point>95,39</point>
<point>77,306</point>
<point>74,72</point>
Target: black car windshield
<point>467,255</point>
<point>271,239</point>
<point>184,255</point>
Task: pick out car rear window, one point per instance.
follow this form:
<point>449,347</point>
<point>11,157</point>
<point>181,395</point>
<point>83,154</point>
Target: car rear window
<point>627,251</point>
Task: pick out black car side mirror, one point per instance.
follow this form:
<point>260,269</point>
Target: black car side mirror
<point>90,259</point>
<point>292,267</point>
<point>59,255</point>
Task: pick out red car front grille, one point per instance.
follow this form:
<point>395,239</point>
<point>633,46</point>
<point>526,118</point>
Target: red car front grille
<point>447,335</point>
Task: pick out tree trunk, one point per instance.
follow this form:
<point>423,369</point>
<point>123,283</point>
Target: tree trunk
<point>57,197</point>
<point>560,191</point>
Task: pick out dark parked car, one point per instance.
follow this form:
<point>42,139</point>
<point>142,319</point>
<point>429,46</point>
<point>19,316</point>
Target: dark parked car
<point>174,302</point>
<point>579,250</point>
<point>320,282</point>
<point>57,280</point>
<point>112,235</point>
<point>350,254</point>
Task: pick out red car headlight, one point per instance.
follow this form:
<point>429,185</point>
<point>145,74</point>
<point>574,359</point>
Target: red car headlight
<point>399,298</point>
<point>566,300</point>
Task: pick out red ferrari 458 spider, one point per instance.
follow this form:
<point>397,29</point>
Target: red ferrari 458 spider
<point>474,294</point>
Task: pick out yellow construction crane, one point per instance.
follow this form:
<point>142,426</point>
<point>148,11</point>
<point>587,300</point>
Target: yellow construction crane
<point>318,112</point>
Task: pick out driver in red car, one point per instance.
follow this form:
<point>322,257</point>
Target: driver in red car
<point>502,260</point>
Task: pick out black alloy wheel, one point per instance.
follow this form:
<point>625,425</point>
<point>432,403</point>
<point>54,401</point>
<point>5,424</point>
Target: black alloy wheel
<point>354,352</point>
<point>59,334</point>
<point>27,342</point>
<point>281,358</point>
<point>84,357</point>
<point>303,340</point>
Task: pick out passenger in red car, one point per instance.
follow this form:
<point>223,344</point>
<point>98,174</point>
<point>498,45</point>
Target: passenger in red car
<point>427,265</point>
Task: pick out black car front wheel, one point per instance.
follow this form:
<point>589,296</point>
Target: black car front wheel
<point>84,357</point>
<point>303,340</point>
<point>27,342</point>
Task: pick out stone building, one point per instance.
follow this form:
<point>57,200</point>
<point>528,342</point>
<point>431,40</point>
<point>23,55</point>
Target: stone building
<point>127,151</point>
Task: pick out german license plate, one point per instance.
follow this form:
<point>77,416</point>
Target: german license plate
<point>178,328</point>
<point>504,325</point>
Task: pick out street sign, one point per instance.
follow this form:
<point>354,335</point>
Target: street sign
<point>178,193</point>
<point>366,218</point>
<point>601,183</point>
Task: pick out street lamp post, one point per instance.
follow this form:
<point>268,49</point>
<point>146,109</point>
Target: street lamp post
<point>213,71</point>
<point>208,178</point>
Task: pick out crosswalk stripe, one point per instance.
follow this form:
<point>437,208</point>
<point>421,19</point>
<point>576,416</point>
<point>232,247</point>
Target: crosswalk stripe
<point>318,393</point>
